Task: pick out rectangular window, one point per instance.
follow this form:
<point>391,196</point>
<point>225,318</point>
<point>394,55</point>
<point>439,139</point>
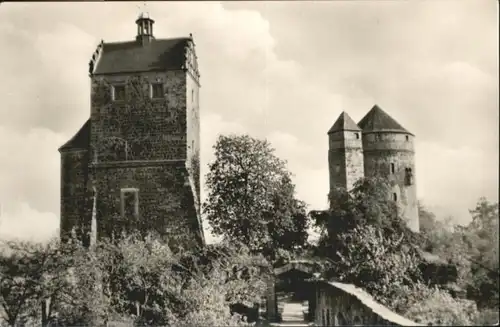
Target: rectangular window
<point>394,197</point>
<point>409,176</point>
<point>393,168</point>
<point>157,90</point>
<point>118,92</point>
<point>129,198</point>
<point>357,136</point>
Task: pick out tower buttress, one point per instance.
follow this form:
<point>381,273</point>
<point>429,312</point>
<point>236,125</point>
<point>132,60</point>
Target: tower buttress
<point>345,153</point>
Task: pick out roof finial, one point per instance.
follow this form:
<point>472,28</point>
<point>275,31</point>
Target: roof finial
<point>142,10</point>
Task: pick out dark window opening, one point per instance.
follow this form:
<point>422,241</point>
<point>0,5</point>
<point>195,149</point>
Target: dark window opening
<point>119,92</point>
<point>192,96</point>
<point>394,197</point>
<point>157,90</point>
<point>407,138</point>
<point>130,203</point>
<point>357,136</point>
<point>408,176</point>
<point>393,168</point>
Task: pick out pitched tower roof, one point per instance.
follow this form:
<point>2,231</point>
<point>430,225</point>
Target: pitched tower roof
<point>145,53</point>
<point>344,123</point>
<point>377,120</point>
<point>80,141</point>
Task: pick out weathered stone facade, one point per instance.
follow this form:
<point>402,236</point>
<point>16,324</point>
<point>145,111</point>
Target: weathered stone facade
<point>134,166</point>
<point>376,146</point>
<point>345,153</point>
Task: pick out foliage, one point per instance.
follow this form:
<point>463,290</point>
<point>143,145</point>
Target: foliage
<point>439,308</point>
<point>135,279</point>
<point>369,245</point>
<point>251,198</point>
<point>365,205</point>
<point>32,280</point>
<point>473,249</point>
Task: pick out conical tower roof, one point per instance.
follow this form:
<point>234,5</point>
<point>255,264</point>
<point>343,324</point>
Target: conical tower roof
<point>344,123</point>
<point>377,120</point>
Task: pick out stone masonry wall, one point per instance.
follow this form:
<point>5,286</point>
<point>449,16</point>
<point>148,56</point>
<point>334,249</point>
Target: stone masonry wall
<point>166,203</point>
<point>74,195</point>
<point>193,131</point>
<point>345,158</point>
<point>146,143</point>
<point>381,150</point>
<point>337,307</point>
<point>147,129</point>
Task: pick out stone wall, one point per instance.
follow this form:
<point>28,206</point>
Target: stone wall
<point>74,195</point>
<point>139,128</point>
<point>339,304</point>
<point>345,159</point>
<point>391,156</point>
<point>151,146</point>
<point>165,200</point>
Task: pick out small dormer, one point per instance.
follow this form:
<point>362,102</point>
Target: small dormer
<point>144,29</point>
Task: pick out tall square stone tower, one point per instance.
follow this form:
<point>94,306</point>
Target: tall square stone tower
<point>134,165</point>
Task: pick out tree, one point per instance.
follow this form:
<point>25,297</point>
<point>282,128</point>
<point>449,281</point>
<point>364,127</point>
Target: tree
<point>141,280</point>
<point>472,249</point>
<point>367,204</point>
<point>32,280</point>
<point>482,237</point>
<point>251,197</point>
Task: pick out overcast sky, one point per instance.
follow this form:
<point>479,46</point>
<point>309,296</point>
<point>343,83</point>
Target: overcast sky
<point>280,70</point>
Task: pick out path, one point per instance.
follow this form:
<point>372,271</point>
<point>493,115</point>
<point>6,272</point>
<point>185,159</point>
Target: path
<point>292,314</point>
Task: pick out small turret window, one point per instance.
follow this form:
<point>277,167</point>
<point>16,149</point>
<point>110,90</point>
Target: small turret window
<point>118,93</point>
<point>157,90</point>
<point>393,168</point>
<point>407,138</point>
<point>394,197</point>
<point>356,135</point>
<point>408,176</point>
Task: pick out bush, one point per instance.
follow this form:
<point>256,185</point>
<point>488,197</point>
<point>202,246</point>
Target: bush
<point>440,308</point>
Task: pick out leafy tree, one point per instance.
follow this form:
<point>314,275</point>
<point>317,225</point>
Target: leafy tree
<point>251,198</point>
<point>472,249</point>
<point>32,280</point>
<point>381,264</point>
<point>366,204</point>
<point>482,237</point>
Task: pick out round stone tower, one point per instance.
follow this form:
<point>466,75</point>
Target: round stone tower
<point>389,153</point>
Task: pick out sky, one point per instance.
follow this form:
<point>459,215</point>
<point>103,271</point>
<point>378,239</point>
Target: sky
<point>277,70</point>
